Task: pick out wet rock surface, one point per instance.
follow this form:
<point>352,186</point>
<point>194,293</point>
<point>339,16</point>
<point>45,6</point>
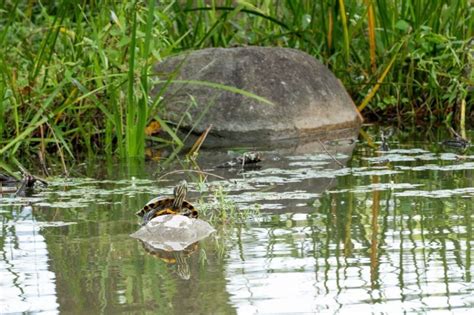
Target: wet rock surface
<point>173,232</point>
<point>307,99</point>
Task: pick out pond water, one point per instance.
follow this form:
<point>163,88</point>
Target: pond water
<point>389,232</point>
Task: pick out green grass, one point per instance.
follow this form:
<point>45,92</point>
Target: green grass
<point>73,73</point>
<point>76,76</point>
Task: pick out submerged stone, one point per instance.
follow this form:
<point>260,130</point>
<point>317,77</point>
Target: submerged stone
<point>307,99</point>
<point>173,232</point>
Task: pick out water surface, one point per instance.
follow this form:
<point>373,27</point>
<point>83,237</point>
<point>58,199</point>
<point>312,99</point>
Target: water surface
<point>389,232</point>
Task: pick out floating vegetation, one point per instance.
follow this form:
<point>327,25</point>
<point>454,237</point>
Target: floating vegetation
<point>218,208</point>
<point>19,201</point>
<point>376,187</point>
<point>376,172</point>
<point>287,182</point>
<point>409,151</point>
<point>318,157</point>
<point>309,163</point>
<point>392,158</point>
<point>436,167</point>
<point>467,192</point>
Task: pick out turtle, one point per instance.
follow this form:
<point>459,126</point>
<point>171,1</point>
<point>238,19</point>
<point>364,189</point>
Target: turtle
<point>458,142</point>
<point>169,205</point>
<point>247,159</point>
<point>384,136</point>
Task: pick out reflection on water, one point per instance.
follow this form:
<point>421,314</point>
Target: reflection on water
<point>310,263</point>
<point>391,233</point>
<point>26,282</point>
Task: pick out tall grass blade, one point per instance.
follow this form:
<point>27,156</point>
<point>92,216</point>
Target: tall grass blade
<point>462,122</point>
<point>371,31</point>
<point>222,87</point>
<point>132,112</point>
<point>169,131</point>
<point>346,46</point>
<point>58,135</point>
<point>330,29</point>
<point>375,88</point>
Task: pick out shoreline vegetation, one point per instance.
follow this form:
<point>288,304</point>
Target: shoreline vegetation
<point>76,76</point>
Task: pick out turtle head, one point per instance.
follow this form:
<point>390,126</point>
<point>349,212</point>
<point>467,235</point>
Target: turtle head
<point>180,194</point>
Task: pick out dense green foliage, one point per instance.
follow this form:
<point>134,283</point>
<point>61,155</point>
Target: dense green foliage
<point>78,74</point>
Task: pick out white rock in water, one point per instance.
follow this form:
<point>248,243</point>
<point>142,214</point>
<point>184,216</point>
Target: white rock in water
<point>173,232</point>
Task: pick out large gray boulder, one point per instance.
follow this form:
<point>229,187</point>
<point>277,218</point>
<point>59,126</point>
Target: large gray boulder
<point>308,100</point>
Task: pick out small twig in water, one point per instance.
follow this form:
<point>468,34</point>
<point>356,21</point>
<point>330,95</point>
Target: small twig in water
<point>456,135</point>
<point>192,171</point>
<point>332,156</point>
<point>197,145</point>
<point>43,163</point>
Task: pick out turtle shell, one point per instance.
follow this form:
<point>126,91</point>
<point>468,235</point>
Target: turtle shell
<point>163,205</point>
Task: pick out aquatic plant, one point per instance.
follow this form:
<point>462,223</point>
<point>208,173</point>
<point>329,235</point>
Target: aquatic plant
<point>217,208</point>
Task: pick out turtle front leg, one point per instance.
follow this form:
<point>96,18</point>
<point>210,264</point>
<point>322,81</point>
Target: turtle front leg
<point>148,216</point>
<point>155,213</point>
